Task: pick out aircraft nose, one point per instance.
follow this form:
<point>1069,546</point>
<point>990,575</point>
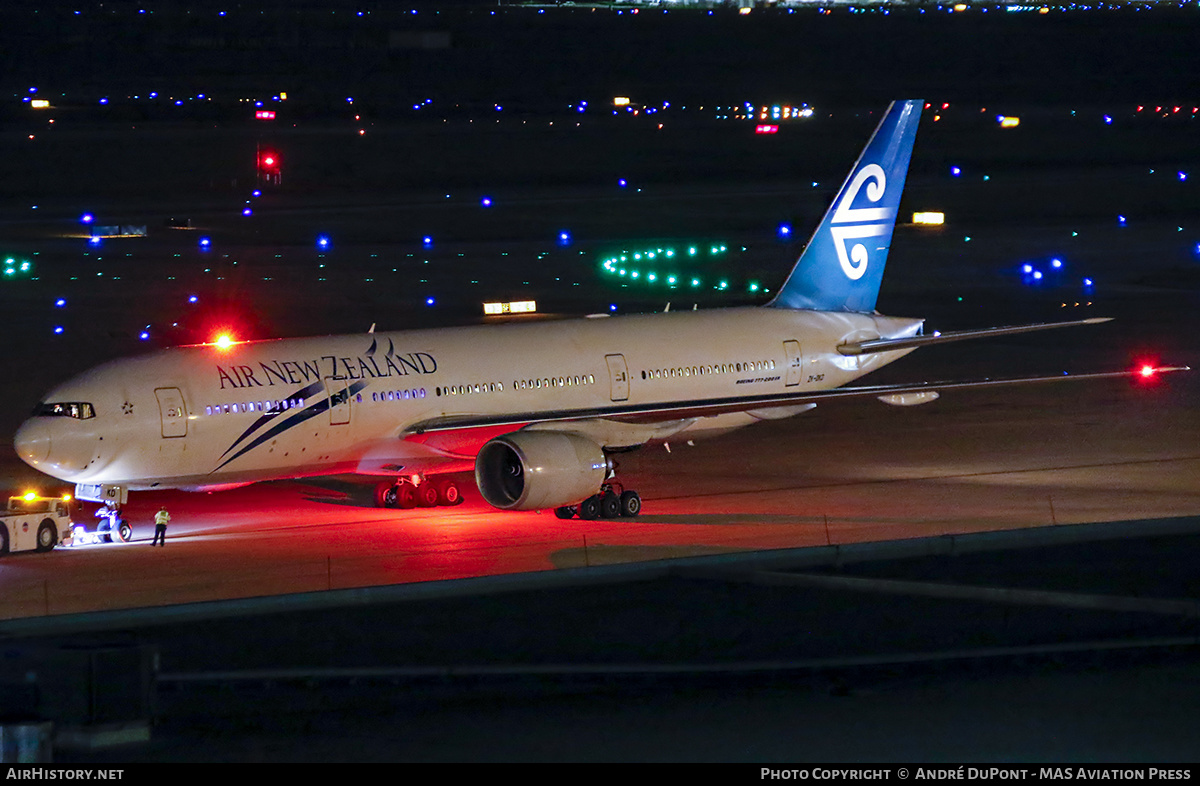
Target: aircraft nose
<point>32,442</point>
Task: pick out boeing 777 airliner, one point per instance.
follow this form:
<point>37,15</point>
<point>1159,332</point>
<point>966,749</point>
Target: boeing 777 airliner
<point>538,410</point>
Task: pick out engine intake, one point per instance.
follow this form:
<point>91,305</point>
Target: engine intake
<point>534,470</point>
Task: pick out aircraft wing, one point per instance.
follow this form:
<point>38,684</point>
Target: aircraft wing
<point>912,342</point>
<point>677,410</point>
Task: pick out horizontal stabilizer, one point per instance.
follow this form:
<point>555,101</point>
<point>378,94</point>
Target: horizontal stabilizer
<point>912,342</point>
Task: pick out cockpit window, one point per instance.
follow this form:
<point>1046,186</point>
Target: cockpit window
<point>80,410</point>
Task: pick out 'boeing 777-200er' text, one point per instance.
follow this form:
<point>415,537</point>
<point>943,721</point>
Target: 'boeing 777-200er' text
<point>540,433</point>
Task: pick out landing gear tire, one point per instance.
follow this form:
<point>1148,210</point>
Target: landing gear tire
<point>589,509</point>
<point>406,496</point>
<point>426,495</point>
<point>448,493</point>
<point>385,494</point>
<point>610,505</point>
<point>124,531</point>
<point>631,504</point>
<point>566,512</point>
<point>46,536</point>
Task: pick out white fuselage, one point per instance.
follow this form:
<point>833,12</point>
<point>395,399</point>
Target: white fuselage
<point>203,416</point>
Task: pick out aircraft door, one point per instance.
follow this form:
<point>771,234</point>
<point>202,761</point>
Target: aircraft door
<point>618,377</point>
<point>172,412</point>
<point>795,363</point>
<point>339,401</point>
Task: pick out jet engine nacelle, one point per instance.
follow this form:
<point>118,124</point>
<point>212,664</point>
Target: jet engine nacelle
<point>533,470</point>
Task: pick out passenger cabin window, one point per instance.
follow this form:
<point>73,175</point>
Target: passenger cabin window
<point>79,410</point>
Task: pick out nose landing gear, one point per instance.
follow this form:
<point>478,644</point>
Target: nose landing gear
<point>112,527</point>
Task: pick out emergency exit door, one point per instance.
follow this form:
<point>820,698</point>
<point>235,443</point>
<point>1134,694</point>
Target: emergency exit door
<point>171,411</point>
<point>618,377</point>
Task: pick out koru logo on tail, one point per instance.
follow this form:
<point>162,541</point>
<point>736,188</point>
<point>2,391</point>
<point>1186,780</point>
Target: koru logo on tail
<point>850,223</point>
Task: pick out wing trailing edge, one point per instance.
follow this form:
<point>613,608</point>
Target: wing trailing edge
<point>674,410</point>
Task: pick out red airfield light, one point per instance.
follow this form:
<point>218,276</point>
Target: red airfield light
<point>270,166</point>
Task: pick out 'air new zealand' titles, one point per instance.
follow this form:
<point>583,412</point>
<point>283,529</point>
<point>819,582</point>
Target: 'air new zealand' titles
<point>538,434</point>
<point>293,372</point>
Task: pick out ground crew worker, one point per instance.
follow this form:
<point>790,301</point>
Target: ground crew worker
<point>161,519</point>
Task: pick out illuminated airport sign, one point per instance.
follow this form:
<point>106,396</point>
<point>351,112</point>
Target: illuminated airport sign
<point>929,218</point>
<point>513,307</point>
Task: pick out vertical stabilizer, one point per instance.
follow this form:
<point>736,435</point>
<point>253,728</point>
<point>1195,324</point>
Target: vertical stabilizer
<point>842,266</point>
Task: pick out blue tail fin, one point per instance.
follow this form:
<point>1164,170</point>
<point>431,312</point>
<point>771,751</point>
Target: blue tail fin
<point>842,266</point>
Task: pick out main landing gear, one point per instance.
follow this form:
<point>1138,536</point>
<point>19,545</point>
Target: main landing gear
<point>417,491</point>
<point>612,501</point>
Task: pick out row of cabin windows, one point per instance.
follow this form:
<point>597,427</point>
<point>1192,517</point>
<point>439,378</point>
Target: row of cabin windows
<point>280,405</point>
<point>268,407</point>
<point>554,382</point>
<point>518,384</point>
<point>720,368</point>
<point>464,390</point>
<point>397,395</point>
<point>461,390</point>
